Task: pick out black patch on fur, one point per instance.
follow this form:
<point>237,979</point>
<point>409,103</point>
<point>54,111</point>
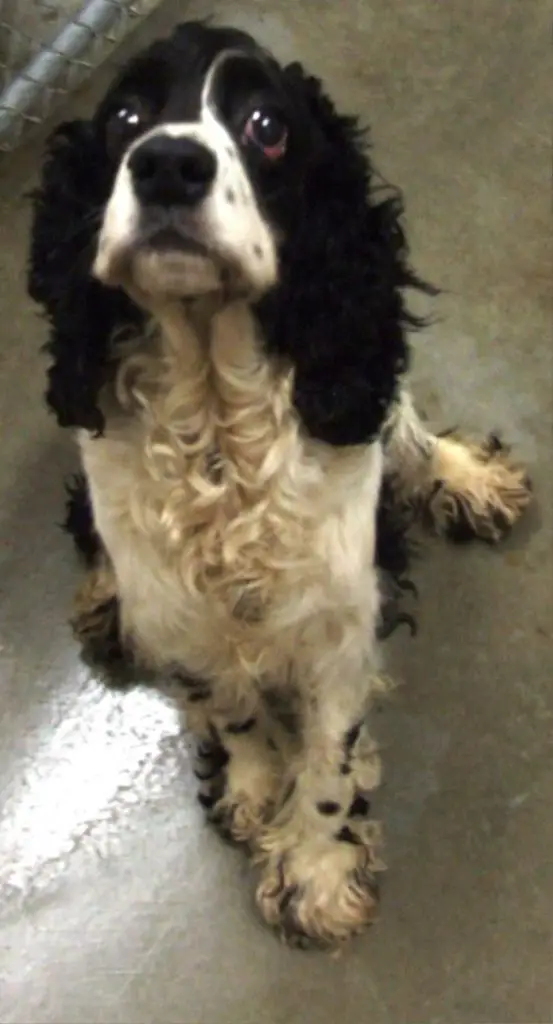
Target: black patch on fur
<point>351,737</point>
<point>107,652</point>
<point>211,759</point>
<point>78,521</point>
<point>210,763</point>
<point>395,550</point>
<point>236,728</point>
<point>214,733</point>
<point>288,895</point>
<point>207,800</point>
<point>201,693</point>
<point>360,807</point>
<point>345,835</point>
<point>213,750</point>
<point>328,807</point>
<point>189,683</point>
<point>207,773</point>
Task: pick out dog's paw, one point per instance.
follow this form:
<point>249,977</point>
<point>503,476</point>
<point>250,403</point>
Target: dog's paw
<point>239,786</point>
<point>240,816</point>
<point>477,490</point>
<point>321,891</point>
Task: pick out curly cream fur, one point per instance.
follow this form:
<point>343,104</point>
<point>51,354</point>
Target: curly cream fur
<point>236,541</point>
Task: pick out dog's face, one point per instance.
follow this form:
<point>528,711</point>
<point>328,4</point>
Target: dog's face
<point>206,141</point>
<point>209,168</point>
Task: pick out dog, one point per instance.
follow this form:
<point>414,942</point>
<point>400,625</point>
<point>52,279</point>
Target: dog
<point>225,282</point>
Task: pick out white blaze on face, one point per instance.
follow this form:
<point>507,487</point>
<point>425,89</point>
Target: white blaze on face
<point>119,225</point>
<point>228,221</point>
<point>231,219</point>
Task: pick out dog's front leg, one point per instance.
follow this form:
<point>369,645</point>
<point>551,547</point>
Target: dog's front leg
<point>461,489</point>
<point>320,852</point>
<point>239,763</point>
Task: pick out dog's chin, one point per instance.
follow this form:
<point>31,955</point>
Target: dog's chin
<point>164,265</point>
<point>174,273</point>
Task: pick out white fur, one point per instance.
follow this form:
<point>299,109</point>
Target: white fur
<point>233,573</point>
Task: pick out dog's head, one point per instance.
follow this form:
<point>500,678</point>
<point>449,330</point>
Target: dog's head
<point>208,167</point>
<point>206,140</point>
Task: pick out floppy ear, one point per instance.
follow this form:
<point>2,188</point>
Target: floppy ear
<point>67,209</point>
<point>338,312</point>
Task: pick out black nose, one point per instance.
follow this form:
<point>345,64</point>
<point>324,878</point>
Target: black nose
<point>168,171</point>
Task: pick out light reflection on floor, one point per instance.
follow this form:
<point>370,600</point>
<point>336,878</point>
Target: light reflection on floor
<point>99,759</point>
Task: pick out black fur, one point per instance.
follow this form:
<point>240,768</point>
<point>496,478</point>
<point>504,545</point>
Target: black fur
<point>79,522</point>
<point>339,313</point>
<point>395,550</point>
<point>107,652</point>
<point>82,313</point>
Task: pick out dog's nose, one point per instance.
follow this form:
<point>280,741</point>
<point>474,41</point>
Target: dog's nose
<point>168,171</point>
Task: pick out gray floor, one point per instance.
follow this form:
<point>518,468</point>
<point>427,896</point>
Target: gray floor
<point>118,905</point>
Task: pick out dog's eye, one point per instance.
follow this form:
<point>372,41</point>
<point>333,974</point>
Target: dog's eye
<point>266,130</point>
<point>125,124</point>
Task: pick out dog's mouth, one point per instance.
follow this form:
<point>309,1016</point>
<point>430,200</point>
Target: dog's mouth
<point>164,259</point>
<point>170,239</point>
<point>173,262</point>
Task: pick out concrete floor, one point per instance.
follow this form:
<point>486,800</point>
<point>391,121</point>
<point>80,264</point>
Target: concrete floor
<point>118,904</point>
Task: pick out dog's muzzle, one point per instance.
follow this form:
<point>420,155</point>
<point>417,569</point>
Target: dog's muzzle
<point>168,181</point>
<point>183,220</point>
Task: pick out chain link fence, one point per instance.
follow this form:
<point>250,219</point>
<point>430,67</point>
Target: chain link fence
<point>48,47</point>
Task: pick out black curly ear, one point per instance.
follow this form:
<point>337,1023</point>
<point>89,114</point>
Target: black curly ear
<point>338,312</point>
<point>67,209</point>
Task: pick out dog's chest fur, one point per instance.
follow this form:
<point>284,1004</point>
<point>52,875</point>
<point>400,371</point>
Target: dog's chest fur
<point>230,532</point>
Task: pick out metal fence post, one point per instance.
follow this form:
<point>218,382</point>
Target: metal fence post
<point>31,91</point>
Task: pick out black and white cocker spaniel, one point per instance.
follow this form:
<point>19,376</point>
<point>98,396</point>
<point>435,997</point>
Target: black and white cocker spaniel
<point>225,287</point>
